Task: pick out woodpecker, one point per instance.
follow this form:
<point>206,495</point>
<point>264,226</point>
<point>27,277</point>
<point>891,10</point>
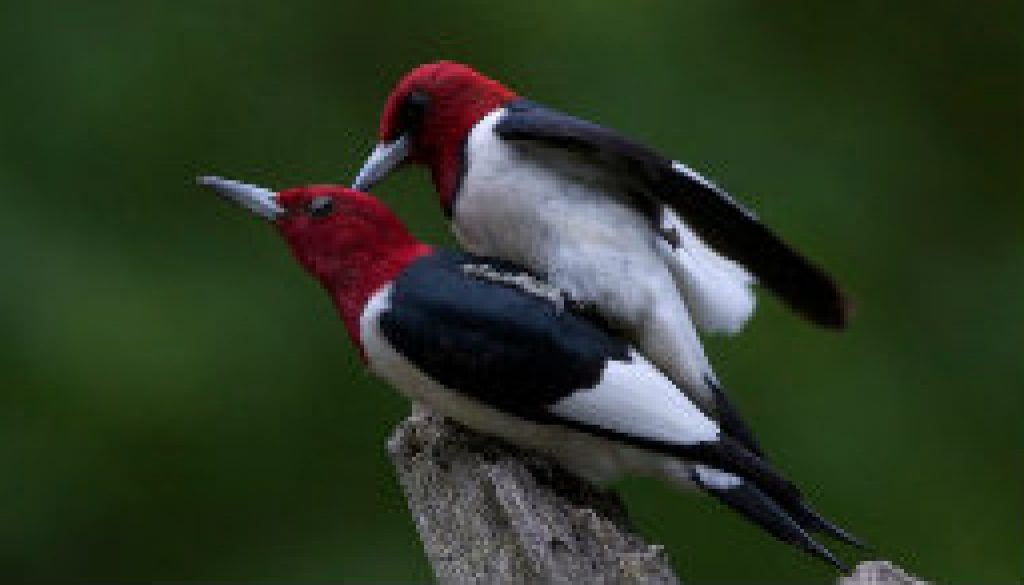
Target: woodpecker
<point>490,345</point>
<point>652,246</point>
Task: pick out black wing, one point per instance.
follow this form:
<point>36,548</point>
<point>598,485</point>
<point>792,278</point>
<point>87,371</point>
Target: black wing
<point>719,220</point>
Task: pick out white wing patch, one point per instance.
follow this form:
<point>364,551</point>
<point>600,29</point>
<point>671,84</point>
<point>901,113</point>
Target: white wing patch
<point>716,289</point>
<point>635,399</point>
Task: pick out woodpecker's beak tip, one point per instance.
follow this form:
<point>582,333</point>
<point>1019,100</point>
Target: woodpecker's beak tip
<point>384,159</point>
<point>258,200</point>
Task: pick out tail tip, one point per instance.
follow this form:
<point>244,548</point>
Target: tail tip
<point>826,555</point>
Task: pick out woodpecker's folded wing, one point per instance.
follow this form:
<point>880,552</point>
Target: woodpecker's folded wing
<point>721,222</point>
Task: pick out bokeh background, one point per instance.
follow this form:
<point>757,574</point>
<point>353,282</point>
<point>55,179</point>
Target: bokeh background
<point>179,402</point>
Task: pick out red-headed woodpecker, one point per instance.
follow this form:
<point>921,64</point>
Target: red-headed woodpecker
<point>651,245</point>
<point>492,346</point>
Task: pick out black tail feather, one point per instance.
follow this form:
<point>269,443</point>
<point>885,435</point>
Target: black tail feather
<point>756,506</point>
<point>729,455</point>
<point>815,522</point>
<point>783,493</point>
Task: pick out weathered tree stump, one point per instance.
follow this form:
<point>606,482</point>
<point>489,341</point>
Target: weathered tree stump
<point>488,512</point>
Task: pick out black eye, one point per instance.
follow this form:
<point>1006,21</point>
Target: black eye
<point>411,112</point>
<point>321,206</point>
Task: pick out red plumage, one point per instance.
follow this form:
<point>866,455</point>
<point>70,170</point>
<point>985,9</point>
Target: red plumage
<point>457,97</point>
<point>375,245</point>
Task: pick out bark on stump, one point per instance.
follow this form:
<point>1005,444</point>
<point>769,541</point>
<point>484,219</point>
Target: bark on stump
<point>488,512</point>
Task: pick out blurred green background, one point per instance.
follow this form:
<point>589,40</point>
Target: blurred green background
<point>180,403</point>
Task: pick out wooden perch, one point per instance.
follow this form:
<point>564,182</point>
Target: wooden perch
<point>490,513</point>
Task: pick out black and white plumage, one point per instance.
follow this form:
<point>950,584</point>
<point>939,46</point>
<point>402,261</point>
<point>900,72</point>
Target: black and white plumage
<point>656,249</point>
<point>487,343</point>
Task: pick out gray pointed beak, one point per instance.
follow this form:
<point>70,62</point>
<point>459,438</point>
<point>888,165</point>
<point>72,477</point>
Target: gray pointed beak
<point>262,202</point>
<point>381,161</point>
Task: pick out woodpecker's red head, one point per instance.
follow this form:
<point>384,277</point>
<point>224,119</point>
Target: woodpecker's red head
<point>347,240</point>
<point>426,120</point>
